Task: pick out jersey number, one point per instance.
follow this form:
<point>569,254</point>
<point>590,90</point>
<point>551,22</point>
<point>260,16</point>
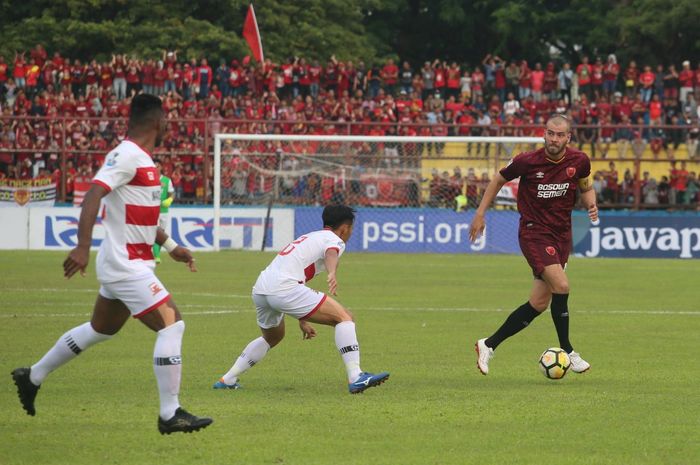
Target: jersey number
<point>287,250</point>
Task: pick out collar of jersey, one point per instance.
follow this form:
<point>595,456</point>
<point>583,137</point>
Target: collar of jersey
<point>137,145</point>
<point>556,162</point>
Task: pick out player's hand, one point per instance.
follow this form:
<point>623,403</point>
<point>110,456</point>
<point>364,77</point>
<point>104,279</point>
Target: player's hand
<point>307,331</point>
<point>476,229</point>
<point>332,284</point>
<point>77,260</point>
<point>182,254</point>
<point>593,213</point>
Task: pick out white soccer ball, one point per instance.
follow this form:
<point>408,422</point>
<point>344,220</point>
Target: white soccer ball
<point>554,363</point>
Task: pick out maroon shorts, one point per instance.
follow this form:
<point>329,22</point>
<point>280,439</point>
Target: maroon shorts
<point>542,250</point>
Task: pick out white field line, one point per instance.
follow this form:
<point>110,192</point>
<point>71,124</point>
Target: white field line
<point>94,291</point>
<point>225,310</point>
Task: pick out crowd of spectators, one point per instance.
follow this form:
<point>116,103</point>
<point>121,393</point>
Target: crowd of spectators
<point>54,105</point>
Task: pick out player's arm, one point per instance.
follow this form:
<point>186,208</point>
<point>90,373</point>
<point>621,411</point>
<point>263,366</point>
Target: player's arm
<point>331,261</point>
<point>478,223</point>
<point>79,257</point>
<point>169,200</point>
<point>588,198</point>
<point>177,252</point>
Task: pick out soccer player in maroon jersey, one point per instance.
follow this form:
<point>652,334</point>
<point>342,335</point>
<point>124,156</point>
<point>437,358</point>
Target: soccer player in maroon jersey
<point>548,180</point>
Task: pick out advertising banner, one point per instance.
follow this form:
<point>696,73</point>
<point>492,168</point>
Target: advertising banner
<point>652,235</point>
<point>410,230</point>
<point>242,228</point>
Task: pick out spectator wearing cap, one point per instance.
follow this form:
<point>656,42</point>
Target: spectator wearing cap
<point>687,81</point>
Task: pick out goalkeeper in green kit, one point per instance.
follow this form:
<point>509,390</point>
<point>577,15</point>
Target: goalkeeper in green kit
<point>167,195</point>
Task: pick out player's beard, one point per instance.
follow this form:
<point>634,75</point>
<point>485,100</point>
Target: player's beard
<point>553,151</point>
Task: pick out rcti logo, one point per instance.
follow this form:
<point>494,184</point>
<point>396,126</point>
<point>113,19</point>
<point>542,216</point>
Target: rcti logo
<point>196,233</point>
<point>62,231</point>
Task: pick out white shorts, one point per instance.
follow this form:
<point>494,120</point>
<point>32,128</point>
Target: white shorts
<point>164,222</point>
<point>140,295</point>
<point>301,302</point>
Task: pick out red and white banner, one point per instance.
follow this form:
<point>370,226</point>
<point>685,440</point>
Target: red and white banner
<point>508,195</point>
<point>81,186</point>
<point>251,34</point>
<point>387,191</point>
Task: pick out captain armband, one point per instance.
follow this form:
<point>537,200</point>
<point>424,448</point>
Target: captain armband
<point>585,184</point>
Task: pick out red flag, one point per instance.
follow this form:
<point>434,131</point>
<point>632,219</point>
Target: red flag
<point>252,35</point>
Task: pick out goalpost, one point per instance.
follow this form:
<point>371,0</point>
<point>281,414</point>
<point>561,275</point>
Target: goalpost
<point>381,172</point>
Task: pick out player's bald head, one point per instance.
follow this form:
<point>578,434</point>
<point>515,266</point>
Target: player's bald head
<point>558,120</point>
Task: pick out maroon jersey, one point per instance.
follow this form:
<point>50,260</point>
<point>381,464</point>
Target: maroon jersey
<point>547,191</point>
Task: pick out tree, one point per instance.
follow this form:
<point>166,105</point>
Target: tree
<point>651,31</point>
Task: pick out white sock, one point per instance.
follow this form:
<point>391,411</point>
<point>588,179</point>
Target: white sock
<point>167,365</point>
<point>252,354</point>
<point>346,342</point>
<point>66,349</point>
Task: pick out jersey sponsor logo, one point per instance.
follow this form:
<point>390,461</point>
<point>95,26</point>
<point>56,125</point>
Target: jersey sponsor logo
<point>570,171</point>
<point>547,191</point>
<point>550,250</point>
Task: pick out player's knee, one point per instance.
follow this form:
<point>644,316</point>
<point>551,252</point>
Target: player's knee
<point>273,341</point>
<point>539,305</point>
<point>561,287</point>
<point>273,337</point>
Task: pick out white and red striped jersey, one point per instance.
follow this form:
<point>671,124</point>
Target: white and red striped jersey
<point>131,211</point>
<point>298,263</point>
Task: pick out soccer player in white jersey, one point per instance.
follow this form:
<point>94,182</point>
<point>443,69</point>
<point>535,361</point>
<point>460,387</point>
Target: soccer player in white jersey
<point>129,185</point>
<point>280,290</point>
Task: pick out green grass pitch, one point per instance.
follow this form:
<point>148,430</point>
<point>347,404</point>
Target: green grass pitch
<point>636,321</point>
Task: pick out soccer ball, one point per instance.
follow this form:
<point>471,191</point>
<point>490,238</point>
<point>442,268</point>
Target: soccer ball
<point>554,363</point>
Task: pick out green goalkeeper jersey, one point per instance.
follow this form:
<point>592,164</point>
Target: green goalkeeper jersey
<point>166,190</point>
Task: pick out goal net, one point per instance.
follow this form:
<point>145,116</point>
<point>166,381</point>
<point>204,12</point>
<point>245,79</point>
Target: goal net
<point>411,193</point>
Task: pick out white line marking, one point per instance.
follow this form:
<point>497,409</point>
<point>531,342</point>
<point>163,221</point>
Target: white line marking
<point>94,291</point>
<point>228,310</point>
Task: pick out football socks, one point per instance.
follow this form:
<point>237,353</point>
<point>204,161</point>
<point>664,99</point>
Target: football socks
<point>68,346</point>
<point>167,365</point>
<point>516,322</point>
<point>346,342</point>
<point>252,354</point>
<point>560,316</point>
